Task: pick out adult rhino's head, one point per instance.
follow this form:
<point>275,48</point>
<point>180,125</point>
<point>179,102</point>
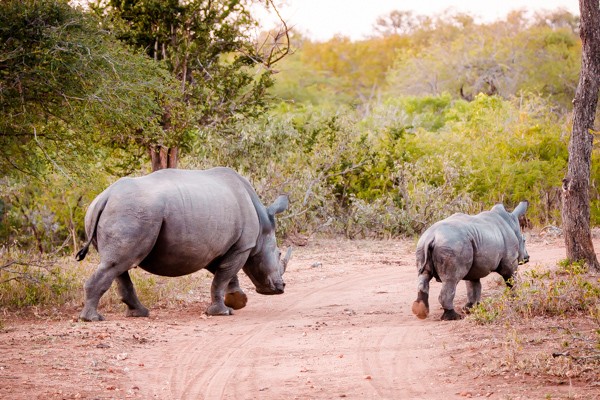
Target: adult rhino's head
<point>265,267</point>
<point>514,220</point>
<point>519,213</point>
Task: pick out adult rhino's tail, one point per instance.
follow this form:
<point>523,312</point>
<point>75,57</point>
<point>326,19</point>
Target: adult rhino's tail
<point>92,217</point>
<point>426,270</point>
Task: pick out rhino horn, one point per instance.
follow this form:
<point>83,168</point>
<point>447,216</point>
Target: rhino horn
<point>286,259</point>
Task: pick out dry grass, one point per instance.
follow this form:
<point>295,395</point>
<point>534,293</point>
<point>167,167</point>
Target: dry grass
<point>46,284</point>
<point>548,325</point>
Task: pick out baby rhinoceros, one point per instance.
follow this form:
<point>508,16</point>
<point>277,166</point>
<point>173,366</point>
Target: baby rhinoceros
<point>175,222</point>
<point>468,247</point>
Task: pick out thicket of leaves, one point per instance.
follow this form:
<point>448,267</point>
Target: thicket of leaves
<point>406,165</point>
<point>70,94</point>
<point>373,138</point>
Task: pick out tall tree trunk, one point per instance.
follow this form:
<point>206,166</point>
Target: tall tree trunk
<point>163,157</point>
<point>576,185</point>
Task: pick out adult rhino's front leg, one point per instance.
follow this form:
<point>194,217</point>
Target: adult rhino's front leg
<point>225,280</point>
<point>235,296</point>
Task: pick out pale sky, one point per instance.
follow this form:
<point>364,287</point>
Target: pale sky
<point>322,19</point>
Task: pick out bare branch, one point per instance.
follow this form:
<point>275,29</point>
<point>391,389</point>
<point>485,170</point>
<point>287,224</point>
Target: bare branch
<point>277,51</point>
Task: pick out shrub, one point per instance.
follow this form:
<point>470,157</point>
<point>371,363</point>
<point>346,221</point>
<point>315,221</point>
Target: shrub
<point>566,290</point>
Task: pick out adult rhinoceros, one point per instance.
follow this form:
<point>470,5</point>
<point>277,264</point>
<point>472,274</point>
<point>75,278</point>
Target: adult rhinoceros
<point>468,247</point>
<point>175,222</point>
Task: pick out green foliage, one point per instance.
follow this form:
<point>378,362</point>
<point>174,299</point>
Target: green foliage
<point>489,150</point>
<point>353,70</point>
<point>33,281</point>
<point>505,58</point>
<point>359,155</point>
<point>47,215</point>
<point>208,47</point>
<point>76,106</point>
<point>409,163</point>
<point>298,84</point>
<point>65,84</point>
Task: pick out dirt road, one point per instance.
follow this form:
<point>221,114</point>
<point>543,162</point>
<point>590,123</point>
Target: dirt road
<point>343,329</point>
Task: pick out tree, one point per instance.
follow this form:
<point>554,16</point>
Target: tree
<point>67,87</point>
<point>76,105</point>
<point>208,46</point>
<point>353,69</point>
<point>576,184</point>
<point>508,58</point>
<point>399,23</point>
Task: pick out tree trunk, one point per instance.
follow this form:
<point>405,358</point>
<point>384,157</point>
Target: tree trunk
<point>163,157</point>
<point>576,185</point>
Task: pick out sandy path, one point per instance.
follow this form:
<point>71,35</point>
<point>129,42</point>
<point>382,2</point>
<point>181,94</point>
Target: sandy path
<point>343,329</point>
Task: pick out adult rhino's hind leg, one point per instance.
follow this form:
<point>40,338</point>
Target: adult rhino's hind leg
<point>420,306</point>
<point>129,297</point>
<point>235,296</point>
<point>473,294</point>
<point>446,299</point>
<point>94,288</point>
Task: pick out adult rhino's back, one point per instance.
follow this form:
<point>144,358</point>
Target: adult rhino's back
<point>204,215</point>
<point>194,216</point>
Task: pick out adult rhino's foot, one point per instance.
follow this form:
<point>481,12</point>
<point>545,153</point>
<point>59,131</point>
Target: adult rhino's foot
<point>137,312</point>
<point>236,300</point>
<point>90,316</point>
<point>450,315</point>
<point>219,309</point>
<point>420,309</point>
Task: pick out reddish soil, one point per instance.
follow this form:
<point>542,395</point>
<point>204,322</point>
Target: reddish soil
<point>343,329</point>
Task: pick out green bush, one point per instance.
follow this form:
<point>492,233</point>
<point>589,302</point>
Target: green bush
<point>27,281</point>
<point>417,160</point>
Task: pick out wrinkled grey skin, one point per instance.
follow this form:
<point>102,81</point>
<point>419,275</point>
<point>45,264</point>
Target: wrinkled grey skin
<point>175,222</point>
<point>467,247</point>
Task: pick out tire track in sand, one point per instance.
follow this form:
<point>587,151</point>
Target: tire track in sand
<point>341,331</point>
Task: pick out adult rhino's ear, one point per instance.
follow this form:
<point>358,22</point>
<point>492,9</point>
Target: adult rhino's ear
<point>499,208</point>
<point>279,205</point>
<point>520,210</point>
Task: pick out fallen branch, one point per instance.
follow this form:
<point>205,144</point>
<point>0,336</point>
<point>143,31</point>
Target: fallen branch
<point>594,356</point>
